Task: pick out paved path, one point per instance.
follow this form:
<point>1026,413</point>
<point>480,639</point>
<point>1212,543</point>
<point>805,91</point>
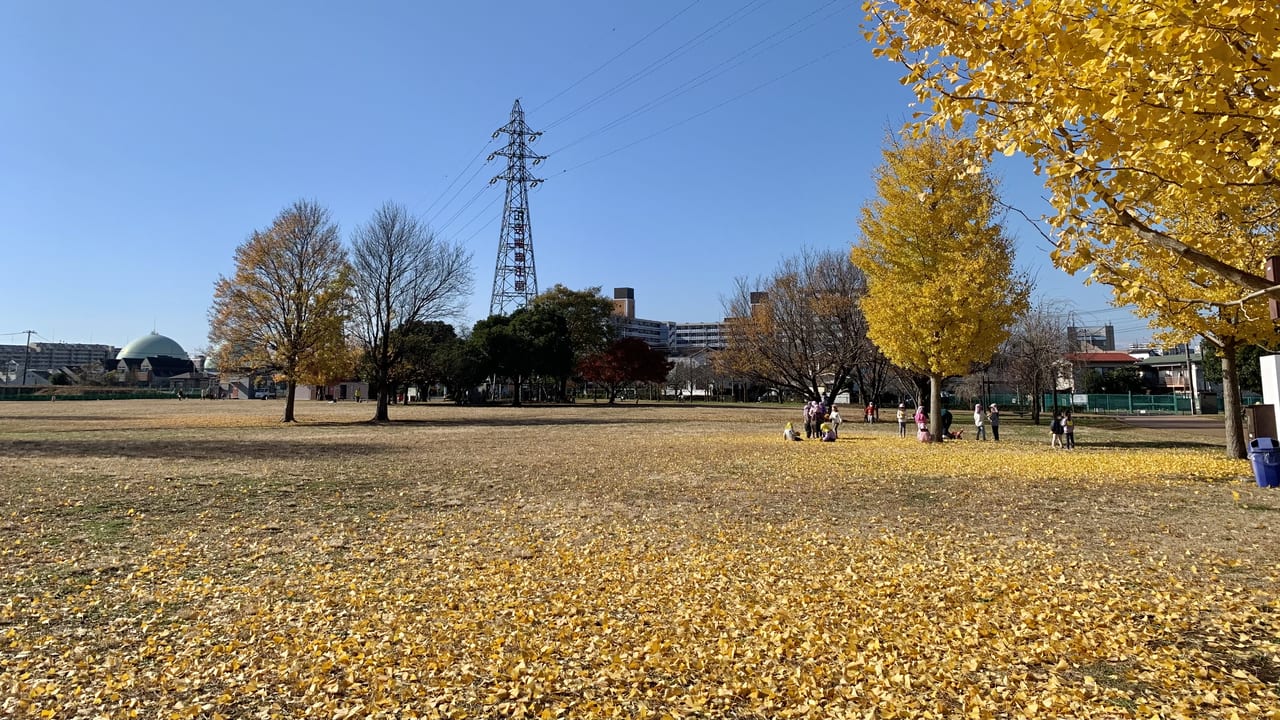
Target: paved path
<point>1203,425</point>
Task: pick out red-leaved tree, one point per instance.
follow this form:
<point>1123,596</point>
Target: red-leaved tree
<point>625,361</point>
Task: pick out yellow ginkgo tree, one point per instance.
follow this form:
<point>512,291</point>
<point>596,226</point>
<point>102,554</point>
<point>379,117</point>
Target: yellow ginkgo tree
<point>1191,300</point>
<point>941,287</point>
<point>1126,108</point>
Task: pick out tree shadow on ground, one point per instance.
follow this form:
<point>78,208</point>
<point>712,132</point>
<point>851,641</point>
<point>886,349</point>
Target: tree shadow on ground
<point>186,449</point>
<point>1183,444</point>
<point>478,420</point>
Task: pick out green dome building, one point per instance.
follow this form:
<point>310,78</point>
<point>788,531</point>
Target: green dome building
<point>152,344</point>
<point>152,360</point>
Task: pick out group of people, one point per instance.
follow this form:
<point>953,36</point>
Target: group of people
<point>1062,431</point>
<point>823,423</point>
<point>982,418</point>
<point>820,421</point>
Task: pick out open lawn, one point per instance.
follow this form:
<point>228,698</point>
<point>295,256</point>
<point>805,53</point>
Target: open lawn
<point>198,559</point>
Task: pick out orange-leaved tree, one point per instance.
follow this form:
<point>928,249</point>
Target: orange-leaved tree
<point>287,300</point>
<point>941,287</point>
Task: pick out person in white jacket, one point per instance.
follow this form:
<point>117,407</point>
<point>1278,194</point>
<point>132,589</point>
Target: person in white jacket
<point>981,431</point>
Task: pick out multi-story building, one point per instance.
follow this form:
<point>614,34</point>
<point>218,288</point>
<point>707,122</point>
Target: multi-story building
<point>42,356</point>
<point>699,335</point>
<point>674,338</point>
<point>1092,339</point>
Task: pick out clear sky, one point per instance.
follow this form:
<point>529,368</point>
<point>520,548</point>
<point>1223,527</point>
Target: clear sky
<point>690,142</point>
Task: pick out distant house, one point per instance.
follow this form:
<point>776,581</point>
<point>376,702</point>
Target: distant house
<point>1082,363</point>
<point>1181,373</point>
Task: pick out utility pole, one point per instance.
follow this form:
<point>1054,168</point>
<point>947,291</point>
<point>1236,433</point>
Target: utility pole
<point>515,278</point>
<point>1191,380</point>
<point>26,356</point>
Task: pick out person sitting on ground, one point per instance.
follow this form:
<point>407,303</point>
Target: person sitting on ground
<point>828,432</point>
<point>789,433</point>
<point>946,424</point>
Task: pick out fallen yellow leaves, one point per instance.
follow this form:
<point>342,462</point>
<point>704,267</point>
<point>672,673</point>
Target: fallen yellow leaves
<point>778,622</point>
<point>649,575</point>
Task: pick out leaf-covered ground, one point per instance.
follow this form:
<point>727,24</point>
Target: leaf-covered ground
<point>197,559</point>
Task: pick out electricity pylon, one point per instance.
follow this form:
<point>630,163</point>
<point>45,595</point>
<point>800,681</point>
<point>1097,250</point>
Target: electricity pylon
<point>515,278</point>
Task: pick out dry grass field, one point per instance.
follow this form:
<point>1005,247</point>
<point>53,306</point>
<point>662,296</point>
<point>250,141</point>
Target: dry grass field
<point>165,559</point>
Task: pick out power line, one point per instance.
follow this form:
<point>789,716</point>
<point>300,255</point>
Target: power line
<point>471,201</point>
<point>711,73</point>
<point>625,50</point>
<point>477,216</point>
<point>716,28</point>
<point>697,81</point>
<point>458,192</point>
<point>480,229</point>
<point>478,155</point>
<point>713,108</point>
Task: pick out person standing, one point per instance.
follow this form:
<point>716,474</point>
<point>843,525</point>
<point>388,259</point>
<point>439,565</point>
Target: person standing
<point>1055,430</point>
<point>809,408</point>
<point>1069,430</point>
<point>835,420</point>
<point>993,417</point>
<point>980,431</point>
<point>902,419</point>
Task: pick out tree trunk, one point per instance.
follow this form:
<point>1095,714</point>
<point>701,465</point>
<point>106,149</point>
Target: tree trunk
<point>516,382</point>
<point>380,414</point>
<point>1036,400</point>
<point>288,401</point>
<point>1231,401</point>
<point>921,386</point>
<point>935,408</point>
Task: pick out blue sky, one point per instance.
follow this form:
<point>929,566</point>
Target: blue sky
<point>690,142</point>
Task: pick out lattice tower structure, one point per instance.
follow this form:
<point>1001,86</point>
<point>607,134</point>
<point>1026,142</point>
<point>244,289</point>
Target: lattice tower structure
<point>515,277</point>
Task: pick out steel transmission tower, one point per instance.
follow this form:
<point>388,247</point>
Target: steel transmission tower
<point>515,279</point>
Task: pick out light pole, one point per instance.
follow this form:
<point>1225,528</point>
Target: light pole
<point>26,359</point>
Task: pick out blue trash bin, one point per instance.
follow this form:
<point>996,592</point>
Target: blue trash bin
<point>1264,454</point>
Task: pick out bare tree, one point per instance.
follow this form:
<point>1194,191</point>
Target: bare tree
<point>286,299</point>
<point>801,328</point>
<point>401,273</point>
<point>1032,355</point>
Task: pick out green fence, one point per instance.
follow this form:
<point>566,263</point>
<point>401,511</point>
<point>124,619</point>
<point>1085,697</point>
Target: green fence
<point>1127,404</point>
<point>45,394</point>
